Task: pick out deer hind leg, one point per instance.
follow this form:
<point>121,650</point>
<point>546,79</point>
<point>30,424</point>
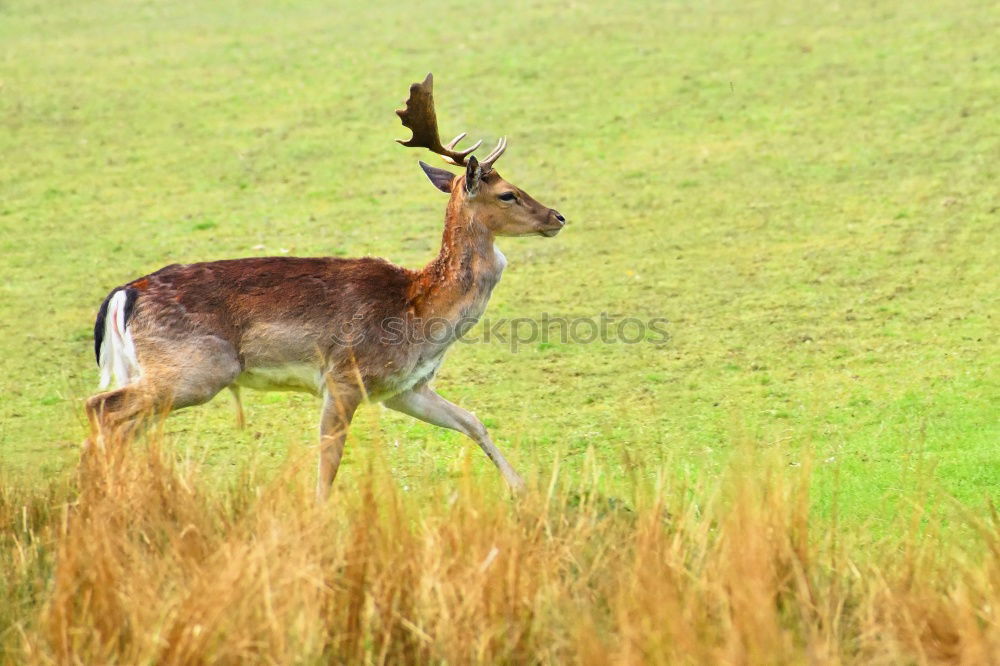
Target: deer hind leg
<point>424,404</point>
<point>172,377</point>
<point>116,415</point>
<point>241,419</point>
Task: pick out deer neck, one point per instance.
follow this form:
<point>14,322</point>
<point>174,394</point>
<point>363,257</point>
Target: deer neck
<point>458,282</point>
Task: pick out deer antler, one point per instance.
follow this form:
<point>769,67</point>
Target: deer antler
<point>487,164</point>
<point>420,118</point>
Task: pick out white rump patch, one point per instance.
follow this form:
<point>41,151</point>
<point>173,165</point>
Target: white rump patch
<point>118,357</point>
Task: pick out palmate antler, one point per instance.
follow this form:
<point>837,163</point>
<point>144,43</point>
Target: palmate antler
<point>420,118</point>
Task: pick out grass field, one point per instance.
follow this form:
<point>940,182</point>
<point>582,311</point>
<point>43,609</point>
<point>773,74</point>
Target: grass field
<point>808,194</point>
<point>144,561</point>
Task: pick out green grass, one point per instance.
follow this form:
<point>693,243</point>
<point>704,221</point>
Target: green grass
<point>807,193</point>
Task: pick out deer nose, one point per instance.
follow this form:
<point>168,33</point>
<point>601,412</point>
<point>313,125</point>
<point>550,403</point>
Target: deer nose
<point>559,216</point>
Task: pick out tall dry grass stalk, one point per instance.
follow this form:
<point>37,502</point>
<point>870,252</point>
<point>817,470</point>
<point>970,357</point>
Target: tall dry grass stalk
<point>139,560</point>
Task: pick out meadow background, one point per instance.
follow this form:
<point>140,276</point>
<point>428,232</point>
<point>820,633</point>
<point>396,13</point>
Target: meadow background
<point>809,196</point>
<point>807,192</point>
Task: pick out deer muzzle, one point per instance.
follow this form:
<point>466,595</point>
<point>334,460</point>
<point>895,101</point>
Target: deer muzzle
<point>553,224</point>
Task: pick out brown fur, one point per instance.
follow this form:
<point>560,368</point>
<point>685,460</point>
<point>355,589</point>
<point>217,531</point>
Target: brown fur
<point>199,328</point>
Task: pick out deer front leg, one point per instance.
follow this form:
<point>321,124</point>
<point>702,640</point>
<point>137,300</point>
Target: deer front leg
<point>424,404</point>
<point>338,410</point>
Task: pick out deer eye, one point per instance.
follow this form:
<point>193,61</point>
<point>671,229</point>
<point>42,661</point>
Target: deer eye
<point>507,196</point>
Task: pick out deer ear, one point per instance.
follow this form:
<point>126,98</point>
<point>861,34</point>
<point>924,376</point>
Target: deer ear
<point>473,175</point>
<point>441,178</point>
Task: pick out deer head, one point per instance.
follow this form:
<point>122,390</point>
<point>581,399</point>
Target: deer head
<point>480,194</point>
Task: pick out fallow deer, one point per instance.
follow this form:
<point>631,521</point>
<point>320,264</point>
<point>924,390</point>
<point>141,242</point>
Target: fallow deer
<point>176,337</point>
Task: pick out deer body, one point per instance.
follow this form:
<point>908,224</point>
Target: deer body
<point>342,329</point>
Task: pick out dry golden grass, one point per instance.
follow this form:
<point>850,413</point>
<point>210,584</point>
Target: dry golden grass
<point>140,560</point>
